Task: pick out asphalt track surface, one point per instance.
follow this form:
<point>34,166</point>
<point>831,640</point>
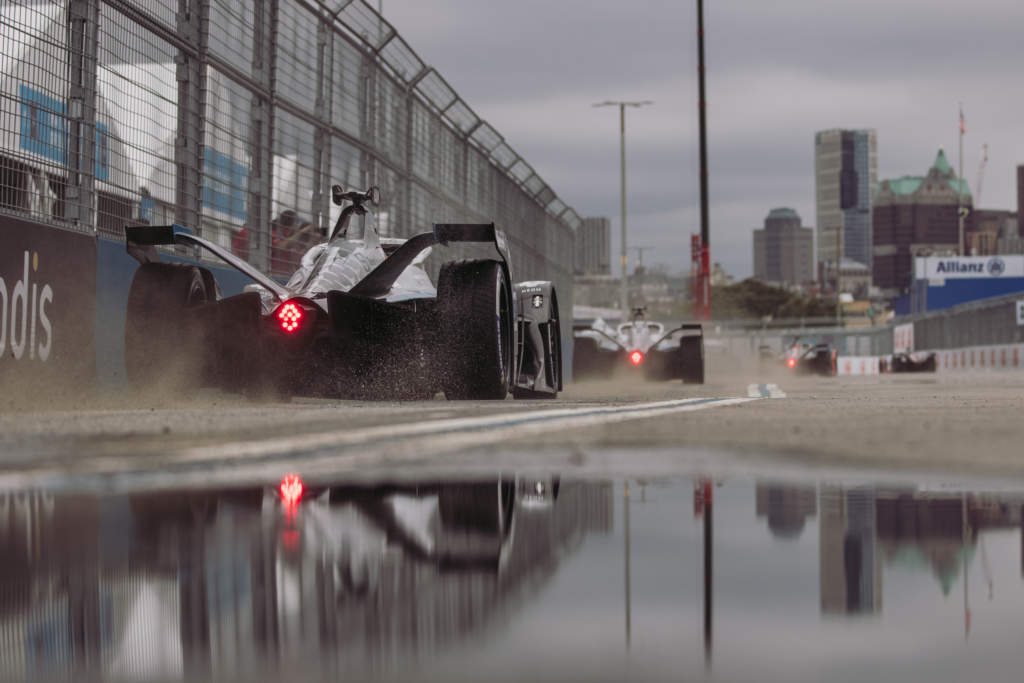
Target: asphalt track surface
<point>961,425</point>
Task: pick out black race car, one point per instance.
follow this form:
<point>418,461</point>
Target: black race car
<point>909,361</point>
<point>360,318</point>
<point>806,358</point>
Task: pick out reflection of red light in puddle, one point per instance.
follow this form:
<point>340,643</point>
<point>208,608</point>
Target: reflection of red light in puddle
<point>791,362</point>
<point>636,358</point>
<point>290,539</point>
<point>291,489</point>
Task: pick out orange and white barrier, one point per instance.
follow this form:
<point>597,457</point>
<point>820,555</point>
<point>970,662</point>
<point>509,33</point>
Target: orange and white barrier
<point>858,365</point>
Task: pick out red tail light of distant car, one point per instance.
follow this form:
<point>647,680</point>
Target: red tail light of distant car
<point>791,362</point>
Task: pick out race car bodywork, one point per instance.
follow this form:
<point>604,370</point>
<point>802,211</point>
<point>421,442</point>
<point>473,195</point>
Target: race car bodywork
<point>598,349</point>
<point>806,358</point>
<point>920,361</point>
<point>359,318</point>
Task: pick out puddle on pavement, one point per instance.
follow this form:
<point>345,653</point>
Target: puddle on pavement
<point>514,577</point>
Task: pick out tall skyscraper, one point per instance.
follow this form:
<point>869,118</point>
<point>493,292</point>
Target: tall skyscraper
<point>783,250</point>
<point>845,175</point>
<point>593,247</point>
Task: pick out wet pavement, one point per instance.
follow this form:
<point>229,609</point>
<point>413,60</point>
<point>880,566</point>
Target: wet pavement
<point>505,576</point>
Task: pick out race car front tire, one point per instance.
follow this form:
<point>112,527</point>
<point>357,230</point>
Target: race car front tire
<point>161,343</point>
<point>475,322</point>
<point>691,357</point>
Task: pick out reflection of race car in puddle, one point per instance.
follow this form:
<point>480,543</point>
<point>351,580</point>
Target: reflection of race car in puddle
<point>640,344</point>
<point>331,580</point>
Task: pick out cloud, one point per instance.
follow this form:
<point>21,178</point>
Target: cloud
<point>778,72</point>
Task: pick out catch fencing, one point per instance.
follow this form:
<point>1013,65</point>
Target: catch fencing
<point>739,339</point>
<point>235,118</point>
<point>980,335</point>
<point>995,321</point>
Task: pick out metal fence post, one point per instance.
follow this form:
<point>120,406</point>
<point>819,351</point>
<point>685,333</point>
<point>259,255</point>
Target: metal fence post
<point>261,133</point>
<point>322,109</point>
<point>83,35</point>
<point>193,21</point>
<point>367,114</point>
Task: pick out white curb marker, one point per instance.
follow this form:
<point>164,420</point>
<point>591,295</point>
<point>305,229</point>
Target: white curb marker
<point>765,391</point>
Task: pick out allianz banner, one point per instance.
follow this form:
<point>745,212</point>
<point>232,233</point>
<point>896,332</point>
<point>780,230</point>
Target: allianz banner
<point>47,304</point>
<point>968,267</point>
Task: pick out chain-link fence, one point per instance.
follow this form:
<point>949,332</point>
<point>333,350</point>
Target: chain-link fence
<point>988,322</point>
<point>750,341</point>
<point>235,118</point>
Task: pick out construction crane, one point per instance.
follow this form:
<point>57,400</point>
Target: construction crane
<point>640,256</point>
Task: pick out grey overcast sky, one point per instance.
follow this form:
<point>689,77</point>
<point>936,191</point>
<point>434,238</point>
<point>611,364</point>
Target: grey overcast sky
<point>778,70</point>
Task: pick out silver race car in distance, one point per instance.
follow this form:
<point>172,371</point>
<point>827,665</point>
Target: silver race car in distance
<point>642,345</point>
<point>359,318</point>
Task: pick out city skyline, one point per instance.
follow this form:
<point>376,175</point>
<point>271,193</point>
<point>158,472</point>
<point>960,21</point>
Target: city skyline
<point>767,96</point>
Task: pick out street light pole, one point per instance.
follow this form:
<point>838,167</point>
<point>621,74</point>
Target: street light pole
<point>704,295</point>
<point>623,291</point>
<point>624,288</point>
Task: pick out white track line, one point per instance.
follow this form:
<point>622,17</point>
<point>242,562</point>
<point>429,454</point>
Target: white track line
<point>363,445</point>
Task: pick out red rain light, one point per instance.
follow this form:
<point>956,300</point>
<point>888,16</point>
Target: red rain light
<point>291,489</point>
<point>289,315</point>
<point>636,358</point>
<point>791,362</point>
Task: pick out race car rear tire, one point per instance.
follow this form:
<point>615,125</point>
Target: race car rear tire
<point>161,343</point>
<point>475,324</point>
<point>590,362</point>
<point>691,352</point>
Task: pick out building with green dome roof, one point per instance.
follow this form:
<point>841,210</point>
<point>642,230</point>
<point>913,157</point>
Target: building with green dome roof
<point>915,216</point>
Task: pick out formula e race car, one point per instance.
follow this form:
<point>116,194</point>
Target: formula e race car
<point>805,358</point>
<point>359,318</point>
<point>598,349</point>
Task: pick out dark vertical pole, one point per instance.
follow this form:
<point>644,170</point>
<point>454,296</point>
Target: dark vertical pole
<point>625,507</point>
<point>624,288</point>
<point>708,548</point>
<point>705,237</point>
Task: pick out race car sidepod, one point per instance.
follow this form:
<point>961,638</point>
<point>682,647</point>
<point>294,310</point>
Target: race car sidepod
<point>540,341</point>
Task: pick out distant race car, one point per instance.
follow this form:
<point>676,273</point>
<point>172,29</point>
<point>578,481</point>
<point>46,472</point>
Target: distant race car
<point>807,358</point>
<point>920,361</point>
<point>360,318</point>
<point>598,349</point>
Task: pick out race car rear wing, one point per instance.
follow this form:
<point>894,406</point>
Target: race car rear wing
<point>685,327</point>
<point>142,241</point>
<point>378,282</point>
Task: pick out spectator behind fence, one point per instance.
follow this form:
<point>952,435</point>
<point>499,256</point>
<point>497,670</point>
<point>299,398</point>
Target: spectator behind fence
<point>290,237</point>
